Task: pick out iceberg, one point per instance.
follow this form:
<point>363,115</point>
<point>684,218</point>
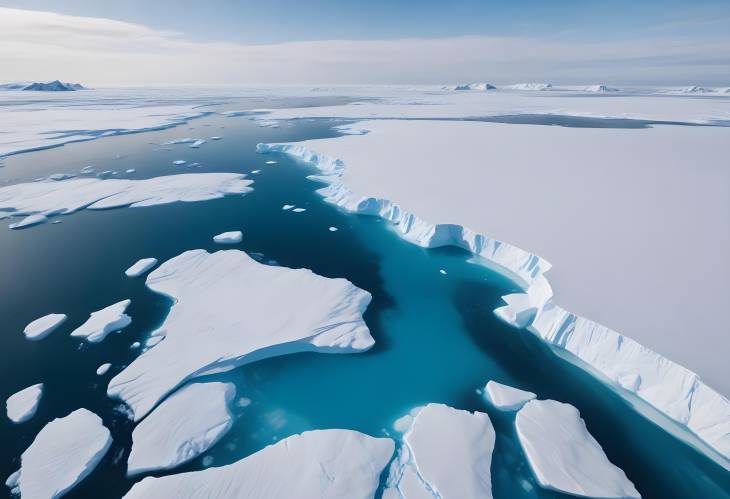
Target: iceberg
<point>504,397</point>
<point>232,237</point>
<point>446,454</point>
<point>600,89</point>
<point>230,310</point>
<point>182,427</point>
<point>475,86</point>
<point>564,456</point>
<point>103,369</point>
<point>140,267</point>
<point>64,452</point>
<point>40,328</point>
<point>103,322</point>
<point>531,86</point>
<point>22,406</point>
<point>54,86</point>
<point>322,464</point>
<point>693,89</point>
<point>48,198</point>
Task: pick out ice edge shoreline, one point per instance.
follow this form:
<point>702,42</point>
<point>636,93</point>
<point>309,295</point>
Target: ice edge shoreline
<point>630,369</point>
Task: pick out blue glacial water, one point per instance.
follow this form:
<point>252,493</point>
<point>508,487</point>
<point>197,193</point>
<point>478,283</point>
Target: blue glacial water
<point>436,337</point>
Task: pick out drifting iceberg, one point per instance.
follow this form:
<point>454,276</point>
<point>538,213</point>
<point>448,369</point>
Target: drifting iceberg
<point>64,452</point>
<point>326,464</point>
<point>48,198</point>
<point>182,427</point>
<point>446,454</point>
<point>140,267</point>
<point>475,86</point>
<point>40,328</point>
<point>600,89</point>
<point>232,237</point>
<point>104,321</point>
<point>564,456</point>
<point>230,310</point>
<point>504,397</point>
<point>21,406</point>
<point>54,86</point>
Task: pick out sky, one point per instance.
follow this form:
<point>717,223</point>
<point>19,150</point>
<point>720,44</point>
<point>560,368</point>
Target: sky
<point>377,41</point>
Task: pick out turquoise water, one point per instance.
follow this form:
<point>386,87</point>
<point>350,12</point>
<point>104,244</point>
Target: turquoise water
<point>436,337</point>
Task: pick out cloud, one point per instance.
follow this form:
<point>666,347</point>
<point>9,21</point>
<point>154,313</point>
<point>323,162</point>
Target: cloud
<point>45,45</point>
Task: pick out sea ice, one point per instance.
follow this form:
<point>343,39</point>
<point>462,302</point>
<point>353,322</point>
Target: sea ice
<point>40,328</point>
<point>21,406</point>
<point>531,86</point>
<point>197,143</point>
<point>130,170</point>
<point>216,138</point>
<point>287,207</point>
<point>103,369</point>
<point>179,162</point>
<point>333,229</point>
<point>104,321</point>
<point>322,464</point>
<point>64,452</point>
<point>271,162</point>
<point>232,237</point>
<point>475,86</point>
<point>183,426</point>
<point>564,456</point>
<point>600,89</point>
<point>140,267</point>
<point>299,210</point>
<point>230,310</point>
<point>504,397</point>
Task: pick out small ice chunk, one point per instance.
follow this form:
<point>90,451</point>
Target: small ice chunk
<point>87,169</point>
<point>256,171</point>
<point>197,143</point>
<point>178,162</point>
<point>22,405</point>
<point>299,210</point>
<point>135,345</point>
<point>40,328</point>
<point>103,369</point>
<point>130,170</point>
<point>232,237</point>
<point>271,162</point>
<point>140,267</point>
<point>216,138</point>
<point>104,321</point>
<point>442,272</point>
<point>504,397</point>
<point>564,456</point>
<point>64,452</point>
<point>243,402</point>
<point>287,207</point>
<point>332,229</point>
<point>164,440</point>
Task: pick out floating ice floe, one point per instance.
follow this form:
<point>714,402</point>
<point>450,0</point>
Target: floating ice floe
<point>103,369</point>
<point>22,406</point>
<point>504,397</point>
<point>38,201</point>
<point>287,207</point>
<point>299,210</point>
<point>600,89</point>
<point>183,426</point>
<point>230,310</point>
<point>104,321</point>
<point>64,452</point>
<point>446,454</point>
<point>326,464</point>
<point>475,86</point>
<point>531,86</point>
<point>135,345</point>
<point>256,171</point>
<point>564,456</point>
<point>140,267</point>
<point>232,237</point>
<point>332,229</point>
<point>197,143</point>
<point>216,138</point>
<point>40,328</point>
<point>130,170</point>
<point>179,162</point>
<point>271,162</point>
<point>442,272</point>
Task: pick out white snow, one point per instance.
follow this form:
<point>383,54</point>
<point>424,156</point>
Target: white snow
<point>103,369</point>
<point>21,406</point>
<point>564,456</point>
<point>617,220</point>
<point>230,310</point>
<point>446,454</point>
<point>504,397</point>
<point>48,198</point>
<point>64,452</point>
<point>232,237</point>
<point>40,328</point>
<point>104,321</point>
<point>140,267</point>
<point>322,464</point>
<point>182,427</point>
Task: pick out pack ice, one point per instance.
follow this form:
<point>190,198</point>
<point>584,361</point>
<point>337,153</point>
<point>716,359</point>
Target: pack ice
<point>64,452</point>
<point>38,201</point>
<point>182,427</point>
<point>564,456</point>
<point>230,310</point>
<point>104,321</point>
<point>21,406</point>
<point>42,327</point>
<point>326,464</point>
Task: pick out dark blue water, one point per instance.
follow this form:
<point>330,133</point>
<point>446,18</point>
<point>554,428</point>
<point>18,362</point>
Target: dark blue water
<point>436,337</point>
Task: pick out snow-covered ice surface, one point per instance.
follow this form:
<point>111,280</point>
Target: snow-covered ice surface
<point>564,456</point>
<point>504,397</point>
<point>620,264</point>
<point>42,327</point>
<point>228,311</point>
<point>232,237</point>
<point>182,427</point>
<point>140,267</point>
<point>104,321</point>
<point>323,464</point>
<point>446,454</point>
<point>44,199</point>
<point>21,406</point>
<point>64,452</point>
